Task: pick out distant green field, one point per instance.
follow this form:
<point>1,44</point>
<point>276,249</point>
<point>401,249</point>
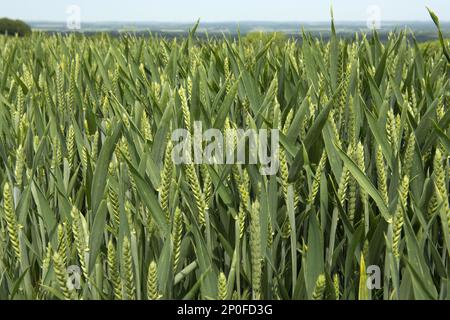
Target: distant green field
<point>423,31</point>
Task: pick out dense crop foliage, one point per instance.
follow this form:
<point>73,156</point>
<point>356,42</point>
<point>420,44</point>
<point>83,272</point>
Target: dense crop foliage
<point>87,177</point>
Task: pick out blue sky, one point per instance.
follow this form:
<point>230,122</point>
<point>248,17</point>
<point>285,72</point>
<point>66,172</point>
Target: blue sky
<point>230,10</point>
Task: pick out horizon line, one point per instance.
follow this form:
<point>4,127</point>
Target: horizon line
<point>231,21</point>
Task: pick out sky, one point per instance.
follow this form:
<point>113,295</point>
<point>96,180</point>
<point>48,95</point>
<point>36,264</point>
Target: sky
<point>224,10</point>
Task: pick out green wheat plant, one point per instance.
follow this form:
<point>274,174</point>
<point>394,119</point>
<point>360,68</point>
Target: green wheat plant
<point>88,179</point>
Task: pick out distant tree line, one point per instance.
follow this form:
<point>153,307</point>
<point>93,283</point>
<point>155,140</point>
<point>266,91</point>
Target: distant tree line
<point>13,27</point>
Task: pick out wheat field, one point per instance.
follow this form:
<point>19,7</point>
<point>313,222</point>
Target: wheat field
<point>93,207</point>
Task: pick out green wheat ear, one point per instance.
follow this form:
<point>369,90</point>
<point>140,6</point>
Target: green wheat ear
<point>185,110</point>
<point>207,183</point>
<point>391,129</point>
<point>270,233</point>
<point>439,174</point>
<point>360,161</point>
<point>319,288</point>
<point>343,183</point>
<point>222,287</point>
<point>128,273</point>
<point>112,271</point>
<point>80,239</point>
<point>166,179</point>
<point>94,152</point>
<point>244,186</point>
<point>146,127</point>
<point>317,176</point>
<point>334,128</point>
<point>46,261</point>
<point>352,186</point>
<point>343,97</point>
<point>61,275</point>
<point>409,153</point>
<point>336,286</point>
<point>124,147</point>
<point>70,144</point>
<point>284,170</point>
<point>20,164</point>
<point>194,184</point>
<point>11,220</point>
<point>381,176</point>
<point>113,200</point>
<point>399,215</point>
<point>440,195</point>
<point>62,244</point>
<point>255,250</point>
<point>177,234</point>
<point>152,281</point>
<point>48,255</point>
<point>84,161</point>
